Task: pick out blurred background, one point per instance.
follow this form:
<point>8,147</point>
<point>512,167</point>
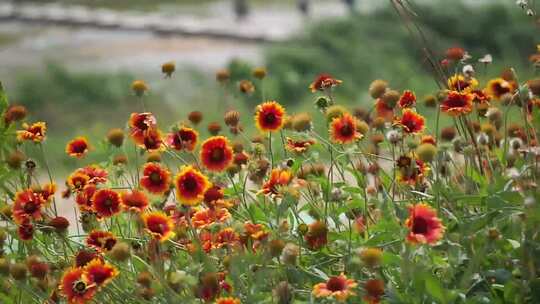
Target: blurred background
<point>71,62</point>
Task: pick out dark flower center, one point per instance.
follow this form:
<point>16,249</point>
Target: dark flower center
<point>270,118</point>
<point>347,130</point>
<point>336,284</point>
<point>217,155</point>
<point>109,244</point>
<point>30,207</point>
<point>108,202</point>
<point>155,177</point>
<point>190,184</point>
<point>457,102</point>
<point>79,287</point>
<point>420,226</point>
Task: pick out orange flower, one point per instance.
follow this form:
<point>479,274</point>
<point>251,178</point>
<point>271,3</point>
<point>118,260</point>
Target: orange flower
<point>322,82</point>
<point>407,99</point>
<point>159,225</point>
<point>152,140</point>
<point>278,178</point>
<point>343,129</point>
<point>457,103</point>
<point>424,225</point>
<point>190,186</point>
<point>317,235</point>
<point>383,110</point>
<point>183,139</point>
<point>206,217</point>
<point>139,123</point>
<point>216,153</point>
<point>102,241</point>
<point>84,198</point>
<point>374,291</point>
<point>27,206</point>
<point>480,97</point>
<point>228,300</point>
<point>98,272</point>
<point>338,287</point>
<point>155,179</point>
<point>26,230</point>
<point>461,83</point>
<point>135,200</point>
<point>75,288</point>
<point>269,116</point>
<point>255,231</point>
<point>299,146</point>
<point>95,172</point>
<point>497,87</point>
<point>34,132</point>
<point>226,237</point>
<point>78,147</point>
<point>411,122</point>
<point>106,203</point>
<point>77,180</point>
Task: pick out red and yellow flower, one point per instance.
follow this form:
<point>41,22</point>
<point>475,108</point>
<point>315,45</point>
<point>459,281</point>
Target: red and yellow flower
<point>78,147</point>
<point>77,180</point>
<point>135,200</point>
<point>216,153</point>
<point>461,83</point>
<point>374,289</point>
<point>207,217</point>
<point>411,171</point>
<point>278,178</point>
<point>338,287</point>
<point>84,198</point>
<point>155,179</point>
<point>102,241</point>
<point>139,123</point>
<point>226,237</point>
<point>411,122</point>
<point>106,203</point>
<point>383,110</point>
<point>407,99</point>
<point>343,129</point>
<point>97,272</point>
<point>269,116</point>
<point>27,206</point>
<point>159,225</point>
<point>75,288</point>
<point>25,230</point>
<point>183,139</point>
<point>152,140</point>
<point>191,186</point>
<point>457,103</point>
<point>498,87</point>
<point>323,82</point>
<point>34,132</point>
<point>299,146</point>
<point>317,235</point>
<point>424,225</point>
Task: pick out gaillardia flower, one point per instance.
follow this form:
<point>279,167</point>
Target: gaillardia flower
<point>407,99</point>
<point>75,288</point>
<point>159,225</point>
<point>278,178</point>
<point>374,289</point>
<point>34,132</point>
<point>183,139</point>
<point>338,287</point>
<point>155,179</point>
<point>323,82</point>
<point>98,272</point>
<point>27,206</point>
<point>411,171</point>
<point>106,203</point>
<point>216,153</point>
<point>411,122</point>
<point>343,129</point>
<point>269,116</point>
<point>461,83</point>
<point>135,200</point>
<point>498,87</point>
<point>424,225</point>
<point>102,241</point>
<point>228,300</point>
<point>78,147</point>
<point>457,103</point>
<point>190,185</point>
<point>152,140</point>
<point>317,235</point>
<point>139,123</point>
<point>299,146</point>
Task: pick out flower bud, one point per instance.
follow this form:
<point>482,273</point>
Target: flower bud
<point>116,137</point>
<point>139,87</point>
<point>335,111</point>
<point>232,118</point>
<point>377,88</point>
<point>275,247</point>
<point>290,253</point>
<point>426,152</point>
<point>283,292</point>
<point>301,122</point>
<point>259,72</point>
<point>59,223</point>
<point>145,279</point>
<point>15,159</point>
<point>195,117</point>
<point>168,68</point>
<point>371,257</point>
<point>214,128</point>
<point>120,252</point>
<point>18,271</point>
<point>390,98</point>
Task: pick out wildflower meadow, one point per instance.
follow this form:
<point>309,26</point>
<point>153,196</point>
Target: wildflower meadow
<point>401,199</point>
